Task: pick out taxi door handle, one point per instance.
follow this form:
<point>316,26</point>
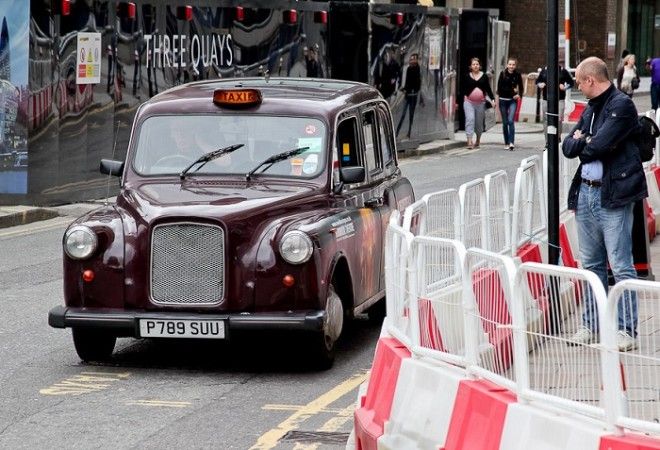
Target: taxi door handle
<point>374,202</point>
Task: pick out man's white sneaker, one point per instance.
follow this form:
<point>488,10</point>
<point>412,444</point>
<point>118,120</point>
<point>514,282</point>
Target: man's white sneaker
<point>625,341</point>
<point>583,336</point>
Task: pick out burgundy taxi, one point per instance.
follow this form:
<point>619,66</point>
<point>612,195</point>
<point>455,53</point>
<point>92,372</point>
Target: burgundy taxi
<point>253,204</point>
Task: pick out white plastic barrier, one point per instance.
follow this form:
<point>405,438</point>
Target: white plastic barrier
<point>654,197</point>
<point>533,427</point>
<point>423,405</point>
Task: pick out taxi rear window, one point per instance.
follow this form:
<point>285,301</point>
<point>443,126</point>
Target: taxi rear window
<point>168,144</point>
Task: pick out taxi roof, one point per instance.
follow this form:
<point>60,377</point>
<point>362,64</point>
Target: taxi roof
<point>294,96</point>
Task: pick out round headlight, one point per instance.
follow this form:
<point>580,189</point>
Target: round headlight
<point>80,242</point>
<point>296,247</point>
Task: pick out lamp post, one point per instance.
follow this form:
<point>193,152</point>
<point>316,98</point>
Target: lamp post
<point>552,116</point>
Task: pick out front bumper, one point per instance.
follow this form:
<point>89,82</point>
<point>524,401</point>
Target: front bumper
<point>126,323</point>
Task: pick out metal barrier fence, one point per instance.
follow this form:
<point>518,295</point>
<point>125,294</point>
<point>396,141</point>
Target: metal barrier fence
<point>558,371</point>
<point>513,326</point>
<point>397,249</point>
<point>437,327</point>
<point>436,214</point>
<point>640,367</point>
<point>528,216</point>
<point>472,196</point>
<point>498,231</point>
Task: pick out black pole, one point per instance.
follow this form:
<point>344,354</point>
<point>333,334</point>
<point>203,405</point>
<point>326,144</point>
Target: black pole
<point>552,117</point>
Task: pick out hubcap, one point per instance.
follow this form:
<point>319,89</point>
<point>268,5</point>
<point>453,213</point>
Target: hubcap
<point>334,317</point>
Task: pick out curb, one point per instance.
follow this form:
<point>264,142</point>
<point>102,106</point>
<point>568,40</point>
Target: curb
<point>430,148</point>
<point>22,215</point>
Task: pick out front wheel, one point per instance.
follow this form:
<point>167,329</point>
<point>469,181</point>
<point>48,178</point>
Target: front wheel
<point>93,345</point>
<point>322,344</point>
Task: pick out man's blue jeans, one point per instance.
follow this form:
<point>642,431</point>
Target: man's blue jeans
<point>606,234</point>
<point>508,113</point>
<point>655,95</point>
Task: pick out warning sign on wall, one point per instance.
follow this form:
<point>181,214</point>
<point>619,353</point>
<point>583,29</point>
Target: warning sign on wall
<point>88,61</point>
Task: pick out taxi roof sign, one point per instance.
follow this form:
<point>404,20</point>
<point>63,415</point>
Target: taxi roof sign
<point>236,97</point>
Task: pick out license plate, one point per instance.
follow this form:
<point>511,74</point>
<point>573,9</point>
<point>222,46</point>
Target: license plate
<point>182,328</point>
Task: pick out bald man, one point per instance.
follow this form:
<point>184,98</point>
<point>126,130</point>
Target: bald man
<point>609,180</point>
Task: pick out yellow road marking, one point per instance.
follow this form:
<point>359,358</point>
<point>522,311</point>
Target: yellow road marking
<point>160,403</point>
<point>84,383</point>
<point>276,407</point>
<point>334,424</point>
<point>270,439</point>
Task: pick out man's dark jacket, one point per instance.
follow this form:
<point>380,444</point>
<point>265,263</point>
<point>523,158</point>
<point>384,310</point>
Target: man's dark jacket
<point>613,143</point>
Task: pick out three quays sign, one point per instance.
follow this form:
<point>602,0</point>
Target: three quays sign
<point>184,50</point>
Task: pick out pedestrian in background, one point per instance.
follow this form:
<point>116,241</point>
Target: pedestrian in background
<point>624,53</point>
<point>475,89</point>
<point>627,79</point>
<point>565,82</point>
<point>654,67</point>
<point>411,87</point>
<point>387,75</point>
<point>509,89</point>
<point>607,183</point>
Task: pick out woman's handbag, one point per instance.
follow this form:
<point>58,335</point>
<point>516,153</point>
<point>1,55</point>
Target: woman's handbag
<point>634,83</point>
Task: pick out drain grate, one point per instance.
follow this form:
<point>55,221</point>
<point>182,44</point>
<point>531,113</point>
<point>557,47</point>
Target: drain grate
<point>320,437</point>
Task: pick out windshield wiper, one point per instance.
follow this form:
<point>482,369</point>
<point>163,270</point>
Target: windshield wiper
<point>210,156</point>
<point>275,158</point>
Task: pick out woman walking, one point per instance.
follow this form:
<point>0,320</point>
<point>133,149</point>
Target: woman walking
<point>475,89</point>
<point>509,90</point>
<point>627,79</point>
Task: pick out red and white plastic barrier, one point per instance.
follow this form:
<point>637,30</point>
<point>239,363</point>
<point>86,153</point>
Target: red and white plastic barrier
<point>419,404</point>
<point>376,405</point>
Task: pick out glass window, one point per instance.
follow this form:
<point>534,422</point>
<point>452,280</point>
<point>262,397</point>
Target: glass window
<point>347,143</point>
<point>371,152</point>
<point>384,130</point>
<point>168,144</point>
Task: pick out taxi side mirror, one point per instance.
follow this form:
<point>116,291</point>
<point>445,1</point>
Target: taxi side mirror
<point>350,175</point>
<point>111,167</point>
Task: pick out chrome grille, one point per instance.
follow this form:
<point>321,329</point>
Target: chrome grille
<point>187,264</point>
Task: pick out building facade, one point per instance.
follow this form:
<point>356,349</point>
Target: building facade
<point>603,29</point>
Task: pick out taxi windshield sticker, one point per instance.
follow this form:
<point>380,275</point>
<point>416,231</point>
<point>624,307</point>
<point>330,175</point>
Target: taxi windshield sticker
<point>315,144</point>
<point>311,164</point>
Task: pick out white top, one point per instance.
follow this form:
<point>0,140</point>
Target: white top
<point>626,81</point>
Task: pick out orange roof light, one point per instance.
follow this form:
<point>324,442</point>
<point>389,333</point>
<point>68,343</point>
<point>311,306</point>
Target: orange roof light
<point>236,97</point>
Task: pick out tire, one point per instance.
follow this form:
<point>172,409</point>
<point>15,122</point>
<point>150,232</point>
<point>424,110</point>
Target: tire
<point>93,345</point>
<point>322,344</point>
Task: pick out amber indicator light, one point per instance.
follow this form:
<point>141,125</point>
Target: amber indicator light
<point>236,97</point>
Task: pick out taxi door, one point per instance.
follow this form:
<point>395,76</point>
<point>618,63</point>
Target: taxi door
<point>379,196</point>
<point>363,200</point>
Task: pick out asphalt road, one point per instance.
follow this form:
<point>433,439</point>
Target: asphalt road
<point>253,392</point>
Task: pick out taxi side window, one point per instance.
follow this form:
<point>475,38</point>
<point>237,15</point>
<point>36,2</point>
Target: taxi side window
<point>369,129</point>
<point>347,143</point>
<point>385,133</point>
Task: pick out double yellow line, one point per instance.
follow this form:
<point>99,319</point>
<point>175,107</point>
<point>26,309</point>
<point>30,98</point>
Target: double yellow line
<point>270,439</point>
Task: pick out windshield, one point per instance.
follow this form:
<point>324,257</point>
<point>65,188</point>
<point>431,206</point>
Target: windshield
<point>166,145</point>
